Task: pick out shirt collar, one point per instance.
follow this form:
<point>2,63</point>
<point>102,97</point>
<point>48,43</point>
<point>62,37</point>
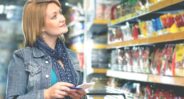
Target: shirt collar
<point>37,52</point>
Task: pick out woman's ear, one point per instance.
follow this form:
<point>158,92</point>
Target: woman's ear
<point>43,32</point>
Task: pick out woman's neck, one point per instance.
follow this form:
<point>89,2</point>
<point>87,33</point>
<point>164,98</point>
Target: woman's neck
<point>50,41</point>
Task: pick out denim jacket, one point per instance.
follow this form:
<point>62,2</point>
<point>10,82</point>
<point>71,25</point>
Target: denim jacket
<point>29,73</point>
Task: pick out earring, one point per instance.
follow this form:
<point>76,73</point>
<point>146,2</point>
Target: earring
<point>43,30</point>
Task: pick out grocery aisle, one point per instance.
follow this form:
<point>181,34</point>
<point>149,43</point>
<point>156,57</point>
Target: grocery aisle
<point>137,47</point>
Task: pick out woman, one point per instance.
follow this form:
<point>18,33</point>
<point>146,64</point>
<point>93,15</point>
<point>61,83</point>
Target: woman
<point>43,69</point>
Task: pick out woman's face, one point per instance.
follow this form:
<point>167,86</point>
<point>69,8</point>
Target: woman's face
<point>54,21</point>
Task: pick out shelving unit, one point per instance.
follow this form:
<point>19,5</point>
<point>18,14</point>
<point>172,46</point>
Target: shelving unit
<point>155,7</point>
<point>99,46</point>
<point>91,69</point>
<point>151,40</point>
<point>119,68</point>
<point>79,46</point>
<point>99,70</point>
<point>99,21</point>
<point>143,43</point>
<point>80,32</point>
<point>178,81</point>
<point>163,4</point>
<point>98,27</point>
<point>94,46</point>
<point>127,75</point>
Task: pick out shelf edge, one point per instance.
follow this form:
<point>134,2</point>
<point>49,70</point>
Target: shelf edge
<point>150,40</point>
<point>176,81</point>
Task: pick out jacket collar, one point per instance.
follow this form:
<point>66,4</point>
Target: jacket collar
<point>37,52</point>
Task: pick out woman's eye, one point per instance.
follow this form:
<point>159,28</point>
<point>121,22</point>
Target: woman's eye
<point>54,17</point>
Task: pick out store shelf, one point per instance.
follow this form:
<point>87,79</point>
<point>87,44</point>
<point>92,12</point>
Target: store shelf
<point>100,21</point>
<point>150,40</point>
<point>78,33</point>
<point>98,70</point>
<point>163,4</point>
<point>127,75</point>
<point>177,81</point>
<point>77,47</point>
<point>98,29</point>
<point>155,7</point>
<point>99,46</point>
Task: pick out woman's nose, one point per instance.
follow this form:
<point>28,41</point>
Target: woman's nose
<point>62,18</point>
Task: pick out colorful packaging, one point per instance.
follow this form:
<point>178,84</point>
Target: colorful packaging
<point>156,61</point>
<point>111,34</point>
<point>153,1</point>
<point>178,20</point>
<point>125,29</point>
<point>163,19</point>
<point>128,59</point>
<point>114,60</point>
<point>119,35</point>
<point>121,59</point>
<point>101,11</point>
<point>135,31</point>
<point>143,28</point>
<point>141,64</point>
<point>160,27</point>
<point>146,57</point>
<point>179,69</point>
<point>173,29</point>
<point>169,20</point>
<point>168,63</point>
<point>135,59</point>
<point>150,29</point>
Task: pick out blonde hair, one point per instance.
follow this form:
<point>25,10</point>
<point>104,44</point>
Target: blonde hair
<point>34,19</point>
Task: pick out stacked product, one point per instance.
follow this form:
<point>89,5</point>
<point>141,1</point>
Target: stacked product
<point>136,90</point>
<point>156,59</point>
<point>100,58</point>
<point>167,23</point>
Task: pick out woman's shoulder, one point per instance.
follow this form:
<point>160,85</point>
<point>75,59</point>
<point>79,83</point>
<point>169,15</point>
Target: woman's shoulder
<point>21,51</point>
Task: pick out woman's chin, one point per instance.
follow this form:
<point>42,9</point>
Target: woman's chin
<point>63,31</point>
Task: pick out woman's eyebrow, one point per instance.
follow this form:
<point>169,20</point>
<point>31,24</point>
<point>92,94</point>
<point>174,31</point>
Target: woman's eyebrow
<point>55,12</point>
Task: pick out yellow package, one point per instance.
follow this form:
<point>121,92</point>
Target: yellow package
<point>174,29</point>
<point>179,69</point>
<point>143,28</point>
<point>153,1</point>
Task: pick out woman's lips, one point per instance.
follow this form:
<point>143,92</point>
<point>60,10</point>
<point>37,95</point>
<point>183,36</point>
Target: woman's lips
<point>63,25</point>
